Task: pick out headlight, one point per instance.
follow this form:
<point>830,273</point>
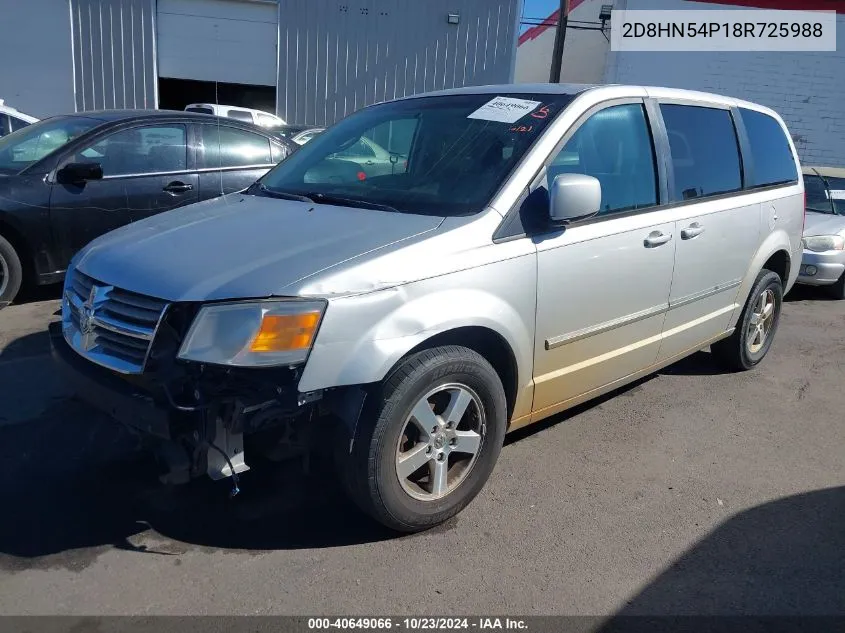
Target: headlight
<point>821,243</point>
<point>253,333</point>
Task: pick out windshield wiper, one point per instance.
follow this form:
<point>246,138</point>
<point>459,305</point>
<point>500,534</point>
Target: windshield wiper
<point>349,202</point>
<point>276,193</point>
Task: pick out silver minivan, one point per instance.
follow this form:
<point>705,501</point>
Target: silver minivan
<point>530,248</point>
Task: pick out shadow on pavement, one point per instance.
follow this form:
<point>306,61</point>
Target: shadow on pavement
<point>783,558</point>
<point>808,293</point>
<point>32,293</point>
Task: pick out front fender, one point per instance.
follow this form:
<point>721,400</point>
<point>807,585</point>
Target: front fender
<point>362,337</point>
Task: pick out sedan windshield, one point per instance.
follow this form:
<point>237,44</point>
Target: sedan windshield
<point>28,145</point>
<point>443,155</point>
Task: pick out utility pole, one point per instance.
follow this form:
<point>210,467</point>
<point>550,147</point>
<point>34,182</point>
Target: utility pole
<point>560,38</point>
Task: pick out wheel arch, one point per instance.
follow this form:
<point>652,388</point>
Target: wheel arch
<point>488,343</point>
<point>775,255</point>
<point>21,246</point>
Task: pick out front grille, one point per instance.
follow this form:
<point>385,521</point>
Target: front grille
<point>111,326</point>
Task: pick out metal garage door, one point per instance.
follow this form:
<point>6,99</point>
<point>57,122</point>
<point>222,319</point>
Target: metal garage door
<point>218,40</point>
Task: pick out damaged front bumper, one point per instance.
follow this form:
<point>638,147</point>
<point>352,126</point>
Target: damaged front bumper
<point>196,418</point>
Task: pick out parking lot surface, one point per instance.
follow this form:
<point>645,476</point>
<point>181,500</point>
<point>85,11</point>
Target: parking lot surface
<point>691,492</point>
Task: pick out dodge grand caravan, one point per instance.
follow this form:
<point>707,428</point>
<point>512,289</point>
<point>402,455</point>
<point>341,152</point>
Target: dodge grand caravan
<point>535,247</point>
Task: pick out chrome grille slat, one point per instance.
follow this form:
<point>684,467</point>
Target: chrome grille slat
<point>137,301</point>
<point>137,315</point>
<point>121,326</point>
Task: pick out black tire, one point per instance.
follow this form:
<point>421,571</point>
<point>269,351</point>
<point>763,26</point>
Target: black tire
<point>369,471</point>
<point>734,352</point>
<point>837,290</point>
<point>11,273</point>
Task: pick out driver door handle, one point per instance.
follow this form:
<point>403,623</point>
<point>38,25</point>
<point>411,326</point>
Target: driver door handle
<point>178,187</point>
<point>656,238</point>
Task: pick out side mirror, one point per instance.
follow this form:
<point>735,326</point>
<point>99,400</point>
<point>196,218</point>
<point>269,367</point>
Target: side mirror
<point>79,173</point>
<point>573,197</point>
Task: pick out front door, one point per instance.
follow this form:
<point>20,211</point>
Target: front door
<point>718,234</point>
<point>603,284</point>
<point>145,172</point>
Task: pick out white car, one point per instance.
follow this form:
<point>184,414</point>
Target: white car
<point>258,117</point>
<point>12,120</point>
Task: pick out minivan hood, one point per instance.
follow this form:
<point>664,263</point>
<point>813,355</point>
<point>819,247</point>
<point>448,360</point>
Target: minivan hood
<point>823,224</point>
<point>240,246</point>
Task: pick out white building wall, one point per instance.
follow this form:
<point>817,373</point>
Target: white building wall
<point>585,52</point>
<point>806,89</point>
<point>36,75</point>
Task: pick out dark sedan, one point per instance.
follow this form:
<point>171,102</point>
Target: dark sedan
<point>68,179</point>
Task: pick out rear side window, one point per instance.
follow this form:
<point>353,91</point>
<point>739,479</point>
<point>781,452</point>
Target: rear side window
<point>229,147</point>
<point>279,152</point>
<point>705,151</point>
<point>200,110</point>
<point>770,152</point>
<point>5,124</point>
<point>240,115</point>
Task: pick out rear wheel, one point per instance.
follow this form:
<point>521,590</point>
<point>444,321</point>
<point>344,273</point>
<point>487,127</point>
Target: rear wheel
<point>757,324</point>
<point>11,273</point>
<point>429,440</point>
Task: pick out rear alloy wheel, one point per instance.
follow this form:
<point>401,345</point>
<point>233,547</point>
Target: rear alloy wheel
<point>11,273</point>
<point>755,330</point>
<point>427,440</point>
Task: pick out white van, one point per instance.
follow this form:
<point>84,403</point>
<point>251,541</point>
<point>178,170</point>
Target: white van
<point>258,117</point>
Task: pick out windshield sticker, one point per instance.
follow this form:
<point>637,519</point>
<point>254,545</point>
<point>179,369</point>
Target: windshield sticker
<point>837,194</point>
<point>504,110</point>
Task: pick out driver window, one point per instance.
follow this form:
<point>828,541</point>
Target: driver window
<point>614,145</point>
<point>145,150</point>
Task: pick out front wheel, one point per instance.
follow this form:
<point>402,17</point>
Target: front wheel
<point>428,441</point>
<point>756,327</point>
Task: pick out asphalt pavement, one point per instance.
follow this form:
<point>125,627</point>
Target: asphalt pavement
<point>693,491</point>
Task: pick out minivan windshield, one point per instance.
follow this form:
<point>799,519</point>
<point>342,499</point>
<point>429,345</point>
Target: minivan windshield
<point>28,145</point>
<point>440,155</point>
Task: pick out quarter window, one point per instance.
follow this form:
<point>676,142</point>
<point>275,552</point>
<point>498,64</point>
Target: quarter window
<point>5,124</point>
<point>144,150</point>
<point>614,146</point>
<point>773,160</point>
<point>240,115</point>
<point>705,151</point>
<point>17,123</point>
<point>229,147</point>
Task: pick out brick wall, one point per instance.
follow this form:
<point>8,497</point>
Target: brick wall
<point>807,89</point>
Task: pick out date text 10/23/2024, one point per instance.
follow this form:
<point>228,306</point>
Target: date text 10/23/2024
<point>417,624</point>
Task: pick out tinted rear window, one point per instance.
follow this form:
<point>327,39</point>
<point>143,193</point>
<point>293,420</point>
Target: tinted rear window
<point>240,115</point>
<point>770,152</point>
<point>705,151</point>
<point>200,110</point>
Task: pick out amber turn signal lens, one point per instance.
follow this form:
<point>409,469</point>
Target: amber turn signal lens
<point>279,333</point>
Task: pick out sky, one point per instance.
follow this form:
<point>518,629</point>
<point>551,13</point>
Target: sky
<point>539,9</point>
